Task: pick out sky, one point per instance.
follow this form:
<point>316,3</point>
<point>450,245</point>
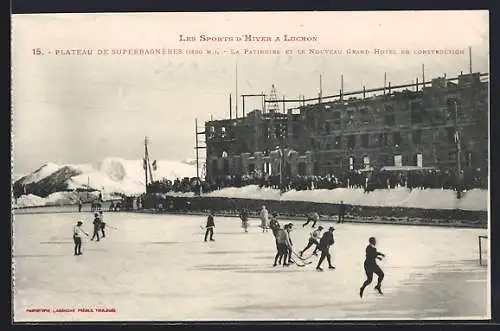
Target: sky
<point>83,108</point>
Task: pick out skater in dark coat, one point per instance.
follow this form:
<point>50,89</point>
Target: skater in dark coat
<point>210,226</point>
<point>283,245</point>
<point>102,224</point>
<point>79,205</point>
<point>341,212</point>
<point>324,246</point>
<point>244,219</point>
<point>97,226</point>
<point>372,267</point>
<point>77,237</point>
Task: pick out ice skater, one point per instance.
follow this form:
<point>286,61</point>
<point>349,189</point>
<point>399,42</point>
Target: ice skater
<point>324,246</point>
<point>372,267</point>
<point>289,245</point>
<point>313,240</point>
<point>264,219</point>
<point>79,205</point>
<point>341,212</point>
<point>283,245</point>
<point>274,225</point>
<point>312,217</point>
<point>102,225</point>
<point>77,237</point>
<point>97,227</point>
<point>210,226</point>
<point>244,219</point>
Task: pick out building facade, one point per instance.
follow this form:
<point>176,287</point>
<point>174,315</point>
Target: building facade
<point>430,125</point>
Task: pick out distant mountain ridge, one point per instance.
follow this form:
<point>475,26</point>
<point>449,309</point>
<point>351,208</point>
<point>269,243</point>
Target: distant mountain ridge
<point>114,174</point>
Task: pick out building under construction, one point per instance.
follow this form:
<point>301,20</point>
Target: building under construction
<point>441,123</point>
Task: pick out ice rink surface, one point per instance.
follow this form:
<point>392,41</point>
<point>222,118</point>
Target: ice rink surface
<point>158,268</point>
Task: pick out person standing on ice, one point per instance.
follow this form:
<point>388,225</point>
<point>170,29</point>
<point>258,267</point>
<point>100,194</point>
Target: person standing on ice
<point>372,267</point>
<point>97,226</point>
<point>274,225</point>
<point>341,212</point>
<point>210,226</point>
<point>244,219</point>
<point>312,217</point>
<point>264,219</point>
<point>77,237</point>
<point>324,246</point>
<point>284,244</point>
<point>313,240</point>
<point>102,225</point>
<point>79,205</point>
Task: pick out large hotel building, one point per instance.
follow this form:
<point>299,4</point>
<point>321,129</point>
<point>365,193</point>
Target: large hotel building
<point>426,125</point>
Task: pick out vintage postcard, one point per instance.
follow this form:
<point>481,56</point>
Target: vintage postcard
<point>302,166</point>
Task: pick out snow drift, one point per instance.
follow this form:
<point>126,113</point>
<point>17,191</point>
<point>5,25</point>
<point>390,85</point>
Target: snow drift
<point>399,197</point>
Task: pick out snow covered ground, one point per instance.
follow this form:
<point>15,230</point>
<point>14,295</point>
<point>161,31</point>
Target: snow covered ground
<point>475,199</point>
<point>399,197</point>
<point>157,267</point>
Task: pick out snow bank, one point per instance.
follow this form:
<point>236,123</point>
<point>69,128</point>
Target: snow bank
<point>399,197</point>
<point>29,200</point>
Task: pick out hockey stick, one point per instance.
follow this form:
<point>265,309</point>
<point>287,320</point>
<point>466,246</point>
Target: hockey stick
<point>300,264</point>
<point>302,258</point>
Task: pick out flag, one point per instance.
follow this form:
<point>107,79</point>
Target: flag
<point>154,165</point>
<point>144,164</point>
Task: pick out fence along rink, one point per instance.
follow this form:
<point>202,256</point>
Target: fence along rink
<point>483,251</point>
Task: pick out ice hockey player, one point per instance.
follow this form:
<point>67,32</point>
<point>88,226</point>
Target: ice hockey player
<point>210,226</point>
<point>264,219</point>
<point>372,267</point>
<point>97,226</point>
<point>102,224</point>
<point>290,244</point>
<point>324,246</point>
<point>341,212</point>
<point>77,237</point>
<point>284,245</point>
<point>244,219</point>
<point>313,240</point>
<point>312,217</point>
<point>274,225</point>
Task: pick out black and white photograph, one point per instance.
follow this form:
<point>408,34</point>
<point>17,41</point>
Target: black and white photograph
<point>251,166</point>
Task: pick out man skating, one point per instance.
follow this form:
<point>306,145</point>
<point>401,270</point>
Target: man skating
<point>274,225</point>
<point>284,244</point>
<point>79,205</point>
<point>324,246</point>
<point>102,224</point>
<point>313,240</point>
<point>244,219</point>
<point>77,237</point>
<point>312,217</point>
<point>372,267</point>
<point>210,226</point>
<point>289,244</point>
<point>97,227</point>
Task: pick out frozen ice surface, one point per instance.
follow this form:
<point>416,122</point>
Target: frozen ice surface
<point>157,268</point>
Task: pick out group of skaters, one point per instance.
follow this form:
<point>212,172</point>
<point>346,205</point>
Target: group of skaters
<point>321,242</point>
<point>78,232</point>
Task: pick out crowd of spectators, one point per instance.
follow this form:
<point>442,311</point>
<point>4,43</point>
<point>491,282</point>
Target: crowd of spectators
<point>367,180</point>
